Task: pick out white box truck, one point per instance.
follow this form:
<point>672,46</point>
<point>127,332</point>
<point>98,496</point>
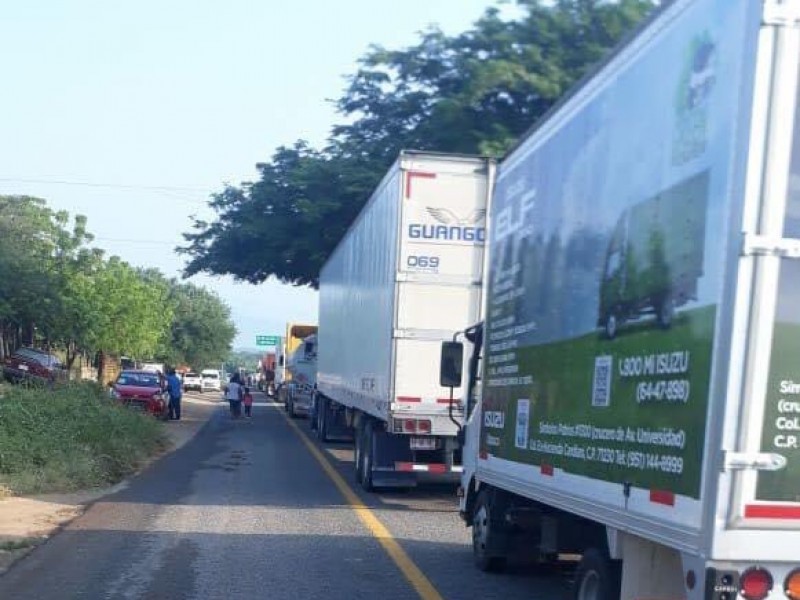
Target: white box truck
<point>637,400</point>
<point>406,276</point>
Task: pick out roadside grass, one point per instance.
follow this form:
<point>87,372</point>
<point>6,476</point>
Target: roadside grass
<point>14,545</point>
<point>69,438</point>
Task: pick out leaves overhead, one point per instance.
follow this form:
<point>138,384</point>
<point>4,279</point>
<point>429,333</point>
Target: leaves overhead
<point>473,93</point>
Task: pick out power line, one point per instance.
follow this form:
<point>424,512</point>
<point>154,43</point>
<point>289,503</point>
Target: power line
<point>121,186</point>
<point>133,241</point>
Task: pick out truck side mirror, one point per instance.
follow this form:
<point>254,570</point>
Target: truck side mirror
<point>451,364</point>
<point>281,360</point>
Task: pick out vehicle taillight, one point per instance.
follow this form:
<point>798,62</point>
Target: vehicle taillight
<point>424,426</point>
<point>755,584</point>
<point>791,586</point>
<point>410,426</point>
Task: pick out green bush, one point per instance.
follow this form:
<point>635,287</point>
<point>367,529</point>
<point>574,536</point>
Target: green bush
<point>71,437</point>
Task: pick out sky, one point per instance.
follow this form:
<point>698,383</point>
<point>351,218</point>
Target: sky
<point>133,113</point>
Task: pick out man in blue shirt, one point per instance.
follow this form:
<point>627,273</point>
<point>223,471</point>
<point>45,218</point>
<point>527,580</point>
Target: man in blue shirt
<point>174,389</point>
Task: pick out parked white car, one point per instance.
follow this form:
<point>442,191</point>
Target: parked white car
<point>192,381</point>
<point>210,381</point>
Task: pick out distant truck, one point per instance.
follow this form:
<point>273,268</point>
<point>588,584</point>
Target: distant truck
<point>404,277</point>
<point>301,365</point>
<point>667,458</point>
<point>292,340</point>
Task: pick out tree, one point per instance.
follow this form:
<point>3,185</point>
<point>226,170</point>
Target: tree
<point>202,331</point>
<point>473,93</point>
<point>38,252</point>
<point>121,312</point>
<point>58,291</point>
<point>243,359</point>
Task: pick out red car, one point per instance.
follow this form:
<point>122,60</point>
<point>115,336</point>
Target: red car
<point>141,390</point>
<point>28,364</point>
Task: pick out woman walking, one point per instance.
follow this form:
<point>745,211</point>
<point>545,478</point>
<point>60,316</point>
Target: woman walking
<point>234,394</point>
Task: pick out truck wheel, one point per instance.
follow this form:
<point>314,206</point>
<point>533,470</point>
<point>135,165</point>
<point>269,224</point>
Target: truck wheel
<point>322,420</point>
<point>313,419</point>
<point>367,459</point>
<point>484,536</point>
<point>612,325</point>
<point>666,312</point>
<point>358,453</point>
<point>597,577</point>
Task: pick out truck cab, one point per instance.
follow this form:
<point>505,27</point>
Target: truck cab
<point>302,366</point>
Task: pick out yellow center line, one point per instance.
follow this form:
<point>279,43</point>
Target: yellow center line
<point>410,570</point>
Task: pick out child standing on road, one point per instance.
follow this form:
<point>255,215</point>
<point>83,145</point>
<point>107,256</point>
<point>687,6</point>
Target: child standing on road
<point>248,403</point>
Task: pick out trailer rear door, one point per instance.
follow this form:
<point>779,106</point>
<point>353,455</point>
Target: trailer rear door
<point>439,275</point>
<point>768,496</point>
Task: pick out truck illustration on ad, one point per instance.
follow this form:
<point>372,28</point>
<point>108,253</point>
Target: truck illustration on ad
<point>655,256</point>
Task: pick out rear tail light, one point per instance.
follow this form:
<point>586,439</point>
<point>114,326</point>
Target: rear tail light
<point>755,584</point>
<point>411,426</point>
<point>791,586</point>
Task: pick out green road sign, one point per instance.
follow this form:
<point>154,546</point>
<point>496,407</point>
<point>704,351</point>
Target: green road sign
<point>267,340</point>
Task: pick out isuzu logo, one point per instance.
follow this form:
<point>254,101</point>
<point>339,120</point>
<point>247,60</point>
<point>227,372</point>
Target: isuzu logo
<point>451,227</point>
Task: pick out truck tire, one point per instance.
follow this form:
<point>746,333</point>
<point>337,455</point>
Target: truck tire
<point>367,458</point>
<point>611,326</point>
<point>313,419</point>
<point>597,577</point>
<point>665,312</point>
<point>485,532</point>
<point>358,453</point>
<point>322,420</point>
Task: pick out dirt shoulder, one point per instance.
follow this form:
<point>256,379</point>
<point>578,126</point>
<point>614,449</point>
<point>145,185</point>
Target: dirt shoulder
<point>27,521</point>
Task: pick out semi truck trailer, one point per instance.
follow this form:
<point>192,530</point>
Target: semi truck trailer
<point>406,276</point>
<point>663,451</point>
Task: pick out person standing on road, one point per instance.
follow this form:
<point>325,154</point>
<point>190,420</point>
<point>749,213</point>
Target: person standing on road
<point>269,381</point>
<point>175,391</point>
<point>234,394</point>
<point>248,403</point>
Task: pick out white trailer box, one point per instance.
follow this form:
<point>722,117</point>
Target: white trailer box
<point>406,276</point>
<point>640,388</point>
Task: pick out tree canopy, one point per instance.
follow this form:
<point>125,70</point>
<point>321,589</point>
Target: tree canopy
<point>475,93</point>
<point>58,291</point>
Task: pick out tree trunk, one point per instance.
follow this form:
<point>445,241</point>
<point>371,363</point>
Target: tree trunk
<point>101,366</point>
<point>72,354</point>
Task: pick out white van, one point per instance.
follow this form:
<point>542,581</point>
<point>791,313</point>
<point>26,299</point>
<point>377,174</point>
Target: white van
<point>211,380</point>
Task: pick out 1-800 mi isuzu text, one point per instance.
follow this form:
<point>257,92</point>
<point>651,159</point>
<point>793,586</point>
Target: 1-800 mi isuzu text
<point>406,275</point>
<point>639,392</point>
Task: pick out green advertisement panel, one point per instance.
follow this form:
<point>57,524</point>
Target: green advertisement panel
<point>608,246</point>
<point>781,433</point>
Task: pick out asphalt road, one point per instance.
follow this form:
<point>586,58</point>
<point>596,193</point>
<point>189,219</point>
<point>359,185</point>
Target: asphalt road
<point>245,511</point>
